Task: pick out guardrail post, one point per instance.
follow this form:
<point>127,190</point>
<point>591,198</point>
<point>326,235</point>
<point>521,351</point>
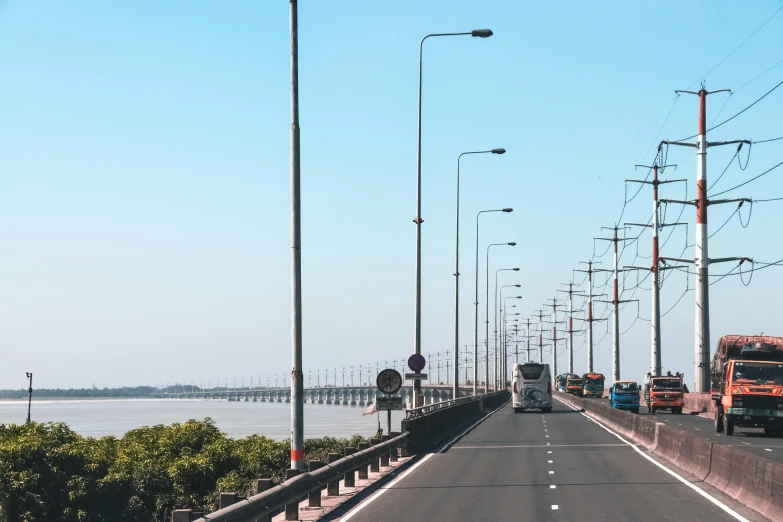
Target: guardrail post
<point>385,456</point>
<point>374,467</point>
<point>181,515</point>
<point>261,486</point>
<point>350,477</point>
<point>393,454</point>
<point>314,497</point>
<point>363,468</point>
<point>333,487</point>
<point>228,499</point>
<point>292,509</point>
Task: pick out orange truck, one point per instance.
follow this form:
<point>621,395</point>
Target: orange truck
<point>747,383</point>
<point>664,392</point>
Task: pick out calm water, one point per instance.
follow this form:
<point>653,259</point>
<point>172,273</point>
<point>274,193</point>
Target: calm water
<point>96,418</point>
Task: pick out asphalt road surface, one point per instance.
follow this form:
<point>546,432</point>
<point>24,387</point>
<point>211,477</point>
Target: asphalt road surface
<point>751,440</point>
<point>534,466</point>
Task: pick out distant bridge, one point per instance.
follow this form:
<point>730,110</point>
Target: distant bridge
<point>341,395</point>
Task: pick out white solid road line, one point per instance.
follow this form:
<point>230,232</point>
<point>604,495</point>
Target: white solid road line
<point>426,457</point>
<point>704,494</point>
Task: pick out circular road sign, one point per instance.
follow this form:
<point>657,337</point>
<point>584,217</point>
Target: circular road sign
<point>389,381</point>
<point>416,362</point>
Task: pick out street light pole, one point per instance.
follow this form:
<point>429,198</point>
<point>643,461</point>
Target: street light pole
<point>297,384</point>
<point>481,33</point>
<point>486,338</point>
<point>496,304</point>
<point>456,273</point>
<point>476,304</point>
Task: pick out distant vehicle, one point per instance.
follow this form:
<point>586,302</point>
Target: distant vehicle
<point>593,385</point>
<point>747,383</point>
<point>560,381</point>
<point>624,395</point>
<point>664,392</point>
<point>532,387</point>
<point>574,385</point>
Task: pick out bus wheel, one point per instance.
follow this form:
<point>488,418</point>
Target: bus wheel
<point>652,410</point>
<point>719,419</point>
<point>516,410</point>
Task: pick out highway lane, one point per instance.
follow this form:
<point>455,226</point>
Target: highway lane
<point>534,466</point>
<point>751,440</point>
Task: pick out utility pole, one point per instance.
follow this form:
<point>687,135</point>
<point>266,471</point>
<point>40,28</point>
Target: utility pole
<point>554,323</point>
<point>616,304</point>
<point>527,338</point>
<point>590,319</point>
<point>702,261</point>
<point>297,381</point>
<point>655,319</point>
<point>540,336</point>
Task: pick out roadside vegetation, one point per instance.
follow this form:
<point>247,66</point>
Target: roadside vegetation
<point>49,472</point>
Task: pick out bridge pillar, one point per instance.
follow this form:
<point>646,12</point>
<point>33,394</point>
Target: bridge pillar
<point>288,397</point>
<point>362,394</point>
<point>320,397</point>
<point>255,397</point>
<point>354,393</point>
<point>346,393</point>
<point>328,396</point>
<point>247,398</point>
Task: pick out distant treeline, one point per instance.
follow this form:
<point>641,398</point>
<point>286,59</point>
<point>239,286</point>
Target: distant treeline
<point>133,391</point>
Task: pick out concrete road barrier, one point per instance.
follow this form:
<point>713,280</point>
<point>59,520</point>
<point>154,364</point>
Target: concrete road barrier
<point>436,427</point>
<point>700,402</point>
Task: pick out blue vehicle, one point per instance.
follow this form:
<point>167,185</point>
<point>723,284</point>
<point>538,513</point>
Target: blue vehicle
<point>625,396</point>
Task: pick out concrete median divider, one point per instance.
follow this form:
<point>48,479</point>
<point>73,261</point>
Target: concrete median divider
<point>752,480</point>
<point>698,402</point>
<point>431,429</point>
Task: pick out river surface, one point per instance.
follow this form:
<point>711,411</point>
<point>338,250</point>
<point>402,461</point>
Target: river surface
<point>96,418</point>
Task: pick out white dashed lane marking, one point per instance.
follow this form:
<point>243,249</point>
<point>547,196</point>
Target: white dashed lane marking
<point>551,472</point>
<point>554,506</point>
<point>552,486</point>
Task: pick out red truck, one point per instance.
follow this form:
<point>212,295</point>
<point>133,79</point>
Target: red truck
<point>747,383</point>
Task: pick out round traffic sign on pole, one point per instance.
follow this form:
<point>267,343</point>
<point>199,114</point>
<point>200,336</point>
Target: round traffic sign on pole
<point>416,362</point>
<point>389,381</point>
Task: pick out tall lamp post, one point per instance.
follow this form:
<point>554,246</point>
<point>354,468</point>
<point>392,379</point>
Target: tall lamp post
<point>456,273</point>
<point>501,334</point>
<point>476,303</point>
<point>496,304</point>
<point>480,33</point>
<point>486,338</point>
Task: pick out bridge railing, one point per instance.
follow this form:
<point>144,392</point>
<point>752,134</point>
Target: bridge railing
<point>292,490</point>
<point>414,413</point>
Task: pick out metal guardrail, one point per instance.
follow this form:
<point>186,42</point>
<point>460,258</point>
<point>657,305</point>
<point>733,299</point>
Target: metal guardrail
<point>415,413</point>
<point>292,490</point>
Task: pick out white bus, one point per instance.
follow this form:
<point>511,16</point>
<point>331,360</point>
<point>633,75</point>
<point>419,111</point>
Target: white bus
<point>532,387</point>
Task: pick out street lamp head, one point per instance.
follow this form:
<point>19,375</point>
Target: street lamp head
<point>508,210</point>
<point>481,33</point>
<point>518,297</point>
<point>518,286</point>
<point>515,269</point>
<point>498,151</point>
<point>512,244</point>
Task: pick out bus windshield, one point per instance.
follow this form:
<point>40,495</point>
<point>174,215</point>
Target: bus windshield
<point>594,380</point>
<point>758,373</point>
<point>574,382</point>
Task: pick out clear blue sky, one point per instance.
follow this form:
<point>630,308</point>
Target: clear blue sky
<point>144,178</point>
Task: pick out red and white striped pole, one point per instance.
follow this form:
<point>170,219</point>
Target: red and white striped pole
<point>655,323</point>
<point>615,319</point>
<point>701,261</point>
<point>590,317</point>
<point>570,328</point>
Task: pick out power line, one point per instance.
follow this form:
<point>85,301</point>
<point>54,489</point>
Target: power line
<point>767,141</point>
<point>750,180</point>
<point>746,40</point>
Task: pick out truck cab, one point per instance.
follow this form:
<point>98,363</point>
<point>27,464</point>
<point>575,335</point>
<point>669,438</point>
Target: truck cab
<point>593,385</point>
<point>624,395</point>
<point>748,390</point>
<point>664,392</point>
